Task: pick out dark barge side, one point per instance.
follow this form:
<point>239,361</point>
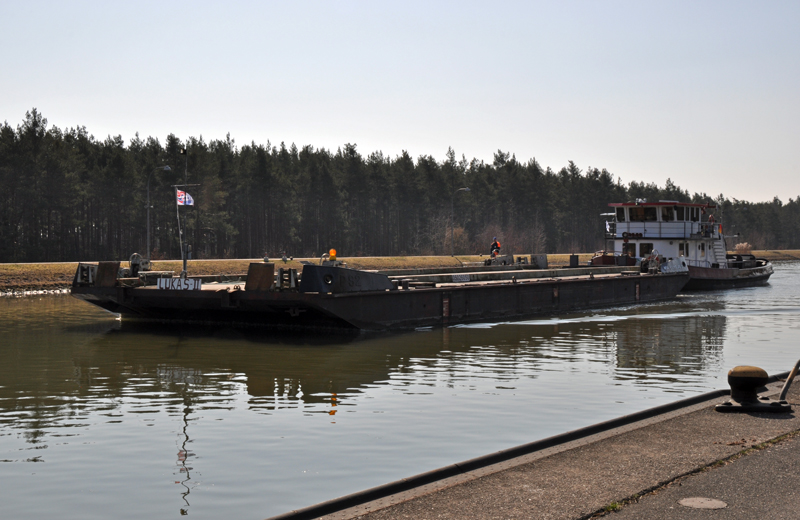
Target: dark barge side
<point>329,296</point>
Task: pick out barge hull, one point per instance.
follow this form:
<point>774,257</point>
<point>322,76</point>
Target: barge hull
<point>398,309</point>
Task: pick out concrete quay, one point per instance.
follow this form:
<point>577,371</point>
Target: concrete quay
<point>748,465</point>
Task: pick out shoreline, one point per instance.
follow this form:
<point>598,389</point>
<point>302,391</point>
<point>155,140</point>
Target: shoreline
<point>589,472</point>
<point>37,278</point>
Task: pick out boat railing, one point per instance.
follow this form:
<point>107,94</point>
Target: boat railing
<point>659,229</point>
<point>706,263</point>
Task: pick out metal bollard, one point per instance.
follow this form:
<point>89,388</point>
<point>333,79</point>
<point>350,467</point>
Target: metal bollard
<point>745,381</point>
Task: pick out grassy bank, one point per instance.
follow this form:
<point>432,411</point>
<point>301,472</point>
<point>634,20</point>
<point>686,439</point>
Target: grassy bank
<point>778,256</point>
<point>54,276</point>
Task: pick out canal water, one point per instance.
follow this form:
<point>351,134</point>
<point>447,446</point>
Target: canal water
<point>100,419</point>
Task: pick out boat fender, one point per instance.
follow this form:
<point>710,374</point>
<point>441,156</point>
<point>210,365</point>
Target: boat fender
<point>625,234</point>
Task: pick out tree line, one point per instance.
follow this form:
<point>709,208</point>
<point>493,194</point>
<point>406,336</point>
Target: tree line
<point>66,196</point>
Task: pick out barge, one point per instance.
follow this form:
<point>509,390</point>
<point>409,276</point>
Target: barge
<point>330,295</point>
<point>644,232</point>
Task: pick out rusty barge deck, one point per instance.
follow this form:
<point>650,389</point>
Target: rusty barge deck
<point>324,297</point>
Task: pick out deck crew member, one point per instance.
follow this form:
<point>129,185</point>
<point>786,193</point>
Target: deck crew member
<point>495,247</point>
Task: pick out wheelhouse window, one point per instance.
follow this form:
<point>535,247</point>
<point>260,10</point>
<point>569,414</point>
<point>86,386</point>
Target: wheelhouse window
<point>695,214</point>
<point>645,249</point>
<point>629,249</point>
<point>667,215</point>
<point>620,214</point>
<point>680,213</point>
<point>640,214</point>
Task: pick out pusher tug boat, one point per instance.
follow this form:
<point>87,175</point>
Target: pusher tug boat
<point>664,230</point>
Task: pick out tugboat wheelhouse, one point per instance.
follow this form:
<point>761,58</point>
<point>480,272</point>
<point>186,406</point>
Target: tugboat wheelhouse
<point>669,229</point>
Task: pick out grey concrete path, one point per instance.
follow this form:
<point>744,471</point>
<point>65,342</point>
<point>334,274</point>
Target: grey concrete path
<point>641,471</point>
<point>764,484</point>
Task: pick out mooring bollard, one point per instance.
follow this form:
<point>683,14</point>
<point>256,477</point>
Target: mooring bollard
<point>745,381</point>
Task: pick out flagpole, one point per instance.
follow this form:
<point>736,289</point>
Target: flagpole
<point>184,253</point>
<point>178,215</point>
<point>180,232</point>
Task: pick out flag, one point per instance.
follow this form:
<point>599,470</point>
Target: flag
<point>184,199</point>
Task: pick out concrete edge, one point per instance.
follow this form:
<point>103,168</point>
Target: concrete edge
<point>425,479</point>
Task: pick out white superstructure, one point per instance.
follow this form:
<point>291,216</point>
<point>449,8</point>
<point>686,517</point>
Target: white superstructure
<point>669,229</point>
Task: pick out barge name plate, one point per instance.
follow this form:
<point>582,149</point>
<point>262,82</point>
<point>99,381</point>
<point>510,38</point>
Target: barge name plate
<point>180,284</point>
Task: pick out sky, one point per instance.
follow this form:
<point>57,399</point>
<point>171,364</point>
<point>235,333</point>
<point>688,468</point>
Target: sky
<point>705,93</point>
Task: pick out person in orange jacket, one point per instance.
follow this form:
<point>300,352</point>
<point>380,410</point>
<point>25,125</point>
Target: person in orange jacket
<point>495,247</point>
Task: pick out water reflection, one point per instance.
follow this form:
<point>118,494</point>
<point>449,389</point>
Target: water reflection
<point>61,384</point>
<point>665,349</point>
<point>183,460</point>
